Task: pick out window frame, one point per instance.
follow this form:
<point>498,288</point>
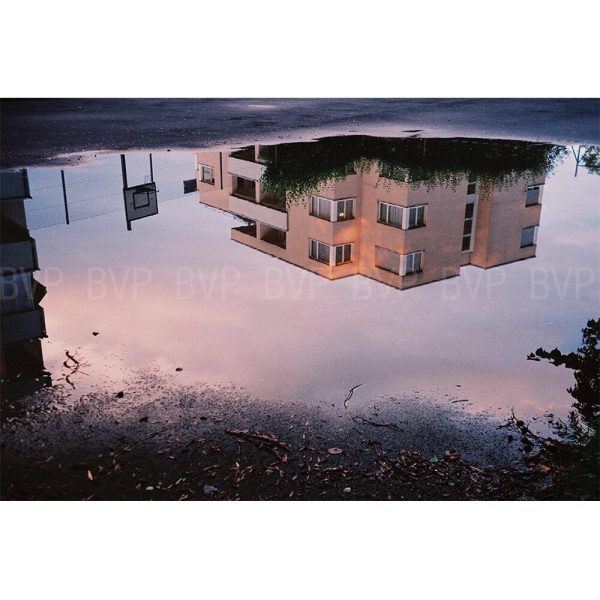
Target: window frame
<point>473,220</point>
<point>333,208</point>
<point>201,168</point>
<point>405,215</point>
<point>533,239</point>
<point>406,218</point>
<point>332,252</point>
<point>399,272</point>
<point>538,200</point>
<point>381,203</point>
<point>404,263</point>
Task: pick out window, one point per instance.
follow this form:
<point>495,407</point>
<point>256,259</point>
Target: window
<point>244,188</point>
<point>330,255</point>
<point>320,207</point>
<point>343,254</point>
<point>387,260</point>
<point>405,218</point>
<point>416,216</point>
<point>471,188</point>
<point>412,263</point>
<point>332,210</point>
<point>206,174</point>
<point>319,251</point>
<point>390,214</point>
<point>467,239</point>
<point>528,236</point>
<point>345,209</point>
<point>533,195</point>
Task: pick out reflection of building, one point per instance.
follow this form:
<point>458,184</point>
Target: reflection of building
<point>23,323</point>
<point>373,222</point>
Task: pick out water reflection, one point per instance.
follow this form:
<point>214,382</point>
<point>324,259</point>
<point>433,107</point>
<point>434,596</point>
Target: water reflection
<point>176,292</point>
<point>402,212</point>
<point>23,321</point>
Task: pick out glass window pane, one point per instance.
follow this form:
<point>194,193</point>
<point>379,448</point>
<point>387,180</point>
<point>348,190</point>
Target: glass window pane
<point>347,253</point>
<point>471,188</point>
<point>466,243</point>
<point>527,236</point>
<point>339,255</point>
<point>324,253</point>
<point>382,212</point>
<point>388,260</point>
<point>417,262</point>
<point>395,215</point>
<point>533,194</point>
<point>469,209</point>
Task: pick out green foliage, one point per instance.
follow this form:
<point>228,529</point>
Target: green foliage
<point>298,169</point>
<point>591,159</point>
<point>586,364</point>
<point>581,430</point>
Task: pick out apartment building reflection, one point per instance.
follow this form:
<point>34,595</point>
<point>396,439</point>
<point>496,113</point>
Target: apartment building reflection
<point>374,220</point>
<point>23,324</point>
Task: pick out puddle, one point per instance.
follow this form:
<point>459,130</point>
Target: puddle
<point>416,267</point>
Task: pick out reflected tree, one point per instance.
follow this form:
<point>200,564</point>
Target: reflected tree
<point>591,159</point>
<point>295,170</point>
<point>585,362</point>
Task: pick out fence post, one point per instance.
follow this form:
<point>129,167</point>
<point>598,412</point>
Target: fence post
<point>124,174</point>
<point>64,189</point>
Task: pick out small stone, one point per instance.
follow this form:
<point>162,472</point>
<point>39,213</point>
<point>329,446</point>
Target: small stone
<point>150,488</point>
<point>347,490</point>
<point>209,490</point>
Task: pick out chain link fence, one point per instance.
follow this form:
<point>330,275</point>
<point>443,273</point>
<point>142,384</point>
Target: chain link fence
<point>93,188</point>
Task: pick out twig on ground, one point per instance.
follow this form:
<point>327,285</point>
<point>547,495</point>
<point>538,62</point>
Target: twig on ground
<point>351,391</point>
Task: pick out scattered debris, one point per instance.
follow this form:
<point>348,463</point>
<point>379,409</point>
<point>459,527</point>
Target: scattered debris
<point>335,451</point>
<point>358,419</point>
<point>350,392</point>
<point>451,455</point>
<point>209,490</point>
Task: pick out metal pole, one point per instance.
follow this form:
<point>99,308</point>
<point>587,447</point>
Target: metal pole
<point>151,170</point>
<point>124,173</point>
<point>221,168</point>
<point>64,188</point>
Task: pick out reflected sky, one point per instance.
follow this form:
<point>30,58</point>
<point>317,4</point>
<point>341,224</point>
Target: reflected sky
<point>178,292</point>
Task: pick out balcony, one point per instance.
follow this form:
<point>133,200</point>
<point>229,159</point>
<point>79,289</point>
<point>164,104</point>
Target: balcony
<point>274,236</point>
<point>18,248</point>
<point>245,189</point>
<point>247,230</point>
<point>272,201</point>
<point>22,326</point>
